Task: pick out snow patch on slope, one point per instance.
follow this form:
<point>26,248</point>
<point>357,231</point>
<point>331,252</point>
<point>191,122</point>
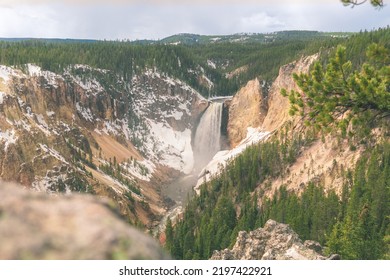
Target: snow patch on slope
<point>53,153</point>
<point>86,82</point>
<point>2,95</point>
<point>141,169</point>
<point>208,81</point>
<point>173,146</point>
<point>50,77</point>
<point>22,124</point>
<point>211,64</point>
<point>85,112</point>
<point>44,184</point>
<point>50,113</point>
<point>160,108</point>
<point>114,128</point>
<point>42,125</point>
<point>7,72</point>
<point>33,70</point>
<point>254,135</point>
<point>8,137</point>
<point>177,115</point>
<point>89,84</point>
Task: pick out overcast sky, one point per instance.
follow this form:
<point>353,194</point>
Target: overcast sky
<point>154,19</point>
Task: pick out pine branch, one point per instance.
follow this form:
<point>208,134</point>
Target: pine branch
<point>375,3</point>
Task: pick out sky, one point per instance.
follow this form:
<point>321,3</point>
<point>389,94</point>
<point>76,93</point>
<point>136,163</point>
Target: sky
<point>157,19</point>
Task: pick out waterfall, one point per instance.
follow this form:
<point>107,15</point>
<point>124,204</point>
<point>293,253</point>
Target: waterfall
<point>207,140</point>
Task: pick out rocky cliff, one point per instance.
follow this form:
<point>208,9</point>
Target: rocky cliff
<point>247,109</point>
<point>268,111</point>
<point>35,225</point>
<point>278,105</point>
<point>89,130</point>
<point>252,107</point>
<point>321,161</point>
<point>275,241</point>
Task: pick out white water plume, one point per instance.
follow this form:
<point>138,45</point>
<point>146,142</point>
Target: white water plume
<point>207,140</point>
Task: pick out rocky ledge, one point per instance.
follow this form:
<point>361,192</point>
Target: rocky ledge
<point>275,241</point>
<point>40,226</point>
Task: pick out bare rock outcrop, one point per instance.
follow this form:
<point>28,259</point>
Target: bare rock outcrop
<point>278,105</point>
<point>36,225</point>
<point>248,108</point>
<point>245,110</point>
<point>275,241</point>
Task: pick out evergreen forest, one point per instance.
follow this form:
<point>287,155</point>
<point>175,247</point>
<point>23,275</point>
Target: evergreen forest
<point>186,61</point>
<point>351,80</point>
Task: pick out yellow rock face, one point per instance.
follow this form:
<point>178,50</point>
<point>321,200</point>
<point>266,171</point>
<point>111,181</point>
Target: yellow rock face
<point>278,105</point>
<point>246,110</point>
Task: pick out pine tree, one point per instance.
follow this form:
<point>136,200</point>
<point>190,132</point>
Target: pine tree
<point>338,94</point>
<point>169,235</point>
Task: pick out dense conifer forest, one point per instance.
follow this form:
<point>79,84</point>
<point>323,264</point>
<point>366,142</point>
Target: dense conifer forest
<point>184,61</point>
<point>356,223</point>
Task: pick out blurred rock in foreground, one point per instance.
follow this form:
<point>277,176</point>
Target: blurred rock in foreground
<point>39,226</point>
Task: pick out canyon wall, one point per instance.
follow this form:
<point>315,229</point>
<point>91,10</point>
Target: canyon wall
<point>89,130</point>
<point>247,109</point>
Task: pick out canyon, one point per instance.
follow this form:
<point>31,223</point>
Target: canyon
<point>144,143</point>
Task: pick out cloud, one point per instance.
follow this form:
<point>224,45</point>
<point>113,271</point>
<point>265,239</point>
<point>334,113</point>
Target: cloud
<point>261,21</point>
<point>136,19</point>
<point>154,2</point>
<point>24,22</point>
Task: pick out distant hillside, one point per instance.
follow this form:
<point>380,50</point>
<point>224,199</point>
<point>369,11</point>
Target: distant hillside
<point>195,39</point>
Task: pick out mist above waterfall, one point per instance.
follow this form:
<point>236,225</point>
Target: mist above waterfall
<point>207,141</point>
